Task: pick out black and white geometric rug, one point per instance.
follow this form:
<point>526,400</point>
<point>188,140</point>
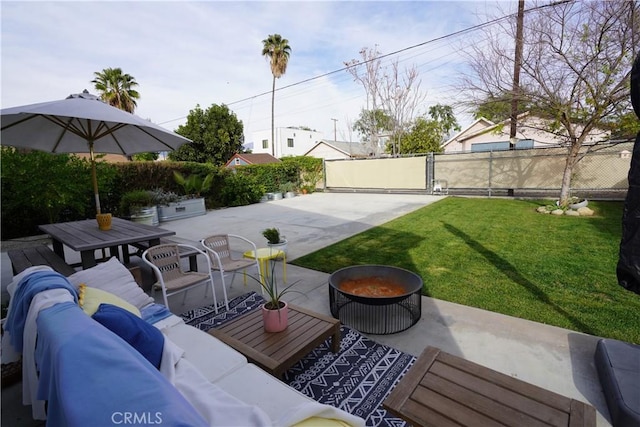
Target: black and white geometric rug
<point>356,380</point>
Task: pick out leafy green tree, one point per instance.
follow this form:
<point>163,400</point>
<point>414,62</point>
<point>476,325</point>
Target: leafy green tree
<point>277,49</point>
<point>116,88</point>
<point>217,135</point>
<point>498,108</point>
<point>377,121</point>
<point>145,157</point>
<point>427,135</point>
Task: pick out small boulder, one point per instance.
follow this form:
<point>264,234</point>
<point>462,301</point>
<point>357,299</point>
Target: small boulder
<point>542,209</point>
<point>557,212</point>
<point>571,212</point>
<point>585,211</point>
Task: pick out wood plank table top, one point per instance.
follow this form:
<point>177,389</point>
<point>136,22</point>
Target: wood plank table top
<point>444,390</point>
<point>276,352</point>
<point>85,236</point>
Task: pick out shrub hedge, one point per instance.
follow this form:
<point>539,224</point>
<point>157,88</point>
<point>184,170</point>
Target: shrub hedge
<point>40,188</point>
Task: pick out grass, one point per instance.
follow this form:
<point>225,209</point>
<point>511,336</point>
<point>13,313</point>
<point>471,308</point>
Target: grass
<point>500,255</point>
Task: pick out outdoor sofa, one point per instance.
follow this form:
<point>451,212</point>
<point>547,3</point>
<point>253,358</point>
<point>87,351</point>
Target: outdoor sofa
<point>618,365</point>
<point>88,375</point>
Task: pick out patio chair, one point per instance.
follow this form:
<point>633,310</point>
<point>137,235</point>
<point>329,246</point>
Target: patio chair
<point>222,260</point>
<point>440,186</point>
<point>165,261</point>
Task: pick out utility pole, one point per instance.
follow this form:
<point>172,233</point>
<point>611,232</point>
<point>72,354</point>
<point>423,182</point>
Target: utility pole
<point>517,63</point>
<point>334,129</point>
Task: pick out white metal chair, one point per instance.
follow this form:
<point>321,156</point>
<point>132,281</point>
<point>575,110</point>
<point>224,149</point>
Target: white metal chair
<point>166,263</point>
<point>440,186</point>
<point>222,260</point>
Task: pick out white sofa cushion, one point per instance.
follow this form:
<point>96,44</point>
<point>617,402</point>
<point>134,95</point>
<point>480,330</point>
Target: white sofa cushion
<point>112,276</point>
<point>212,357</point>
<point>254,386</point>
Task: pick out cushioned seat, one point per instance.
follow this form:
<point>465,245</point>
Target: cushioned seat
<point>618,365</point>
<point>266,391</point>
<point>213,358</point>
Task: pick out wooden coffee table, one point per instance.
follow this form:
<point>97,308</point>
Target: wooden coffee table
<point>444,390</point>
<point>275,352</point>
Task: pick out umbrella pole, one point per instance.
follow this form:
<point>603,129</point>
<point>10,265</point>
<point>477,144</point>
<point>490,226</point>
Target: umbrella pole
<point>94,177</point>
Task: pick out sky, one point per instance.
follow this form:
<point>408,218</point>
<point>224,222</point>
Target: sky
<point>184,54</point>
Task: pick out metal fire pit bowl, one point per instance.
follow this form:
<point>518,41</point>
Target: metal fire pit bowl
<point>376,315</point>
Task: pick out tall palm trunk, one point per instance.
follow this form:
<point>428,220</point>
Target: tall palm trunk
<point>273,129</point>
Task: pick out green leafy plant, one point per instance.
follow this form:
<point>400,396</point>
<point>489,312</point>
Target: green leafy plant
<point>133,201</point>
<point>274,293</point>
<point>162,197</point>
<point>193,185</point>
<point>272,235</point>
<point>288,187</point>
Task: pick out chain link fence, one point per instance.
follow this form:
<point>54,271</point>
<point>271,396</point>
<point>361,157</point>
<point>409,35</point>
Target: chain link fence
<point>600,174</point>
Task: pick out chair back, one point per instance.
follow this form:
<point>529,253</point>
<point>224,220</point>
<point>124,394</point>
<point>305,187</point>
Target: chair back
<point>220,245</point>
<point>167,259</point>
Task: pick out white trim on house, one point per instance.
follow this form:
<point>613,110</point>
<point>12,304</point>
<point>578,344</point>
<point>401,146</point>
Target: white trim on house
<point>333,150</point>
<point>484,135</point>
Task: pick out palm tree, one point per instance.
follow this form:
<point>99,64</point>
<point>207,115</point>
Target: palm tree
<point>277,50</point>
<point>115,88</point>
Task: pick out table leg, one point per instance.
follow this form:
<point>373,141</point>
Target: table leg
<point>193,263</point>
<point>126,258</point>
<point>114,252</point>
<point>284,267</point>
<point>88,259</point>
<point>263,270</point>
<point>58,248</point>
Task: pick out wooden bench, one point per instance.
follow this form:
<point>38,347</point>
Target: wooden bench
<point>444,390</point>
<point>184,252</point>
<point>21,259</point>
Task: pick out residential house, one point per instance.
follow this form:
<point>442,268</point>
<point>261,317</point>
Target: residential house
<point>242,159</point>
<point>290,141</point>
<point>332,150</point>
<point>484,135</point>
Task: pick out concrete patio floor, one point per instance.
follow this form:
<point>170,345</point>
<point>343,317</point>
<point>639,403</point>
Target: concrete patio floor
<point>553,358</point>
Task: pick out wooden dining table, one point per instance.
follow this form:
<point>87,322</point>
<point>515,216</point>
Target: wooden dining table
<point>85,237</point>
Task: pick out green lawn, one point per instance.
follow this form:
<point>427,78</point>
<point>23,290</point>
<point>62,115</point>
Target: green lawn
<point>501,255</point>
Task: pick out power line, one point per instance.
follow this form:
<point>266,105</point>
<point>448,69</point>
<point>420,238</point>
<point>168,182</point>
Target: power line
<point>434,40</point>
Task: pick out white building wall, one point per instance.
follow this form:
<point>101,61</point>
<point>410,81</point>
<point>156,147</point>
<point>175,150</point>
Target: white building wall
<point>303,141</point>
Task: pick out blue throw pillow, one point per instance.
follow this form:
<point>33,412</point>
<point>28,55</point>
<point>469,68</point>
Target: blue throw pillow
<point>142,336</point>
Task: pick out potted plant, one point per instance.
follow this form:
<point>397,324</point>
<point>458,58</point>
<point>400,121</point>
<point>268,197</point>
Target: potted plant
<point>194,184</point>
<point>275,311</point>
<point>274,240</point>
<point>138,206</point>
<point>288,189</point>
<point>189,205</point>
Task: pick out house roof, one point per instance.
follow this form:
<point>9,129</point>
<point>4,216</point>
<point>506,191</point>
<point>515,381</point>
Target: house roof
<point>352,149</point>
<point>486,125</point>
<point>468,131</point>
<point>254,159</point>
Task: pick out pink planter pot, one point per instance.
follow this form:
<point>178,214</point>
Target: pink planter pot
<point>275,320</point>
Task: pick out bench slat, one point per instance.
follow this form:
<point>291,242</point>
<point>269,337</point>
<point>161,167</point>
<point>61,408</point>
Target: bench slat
<point>21,259</point>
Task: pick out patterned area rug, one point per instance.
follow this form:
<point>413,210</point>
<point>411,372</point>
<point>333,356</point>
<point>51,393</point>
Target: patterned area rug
<point>357,379</point>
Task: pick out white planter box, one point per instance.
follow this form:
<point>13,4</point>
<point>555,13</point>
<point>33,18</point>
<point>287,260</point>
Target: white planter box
<point>183,209</point>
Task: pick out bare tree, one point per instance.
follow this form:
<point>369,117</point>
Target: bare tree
<point>400,96</point>
<point>369,77</point>
<point>575,68</point>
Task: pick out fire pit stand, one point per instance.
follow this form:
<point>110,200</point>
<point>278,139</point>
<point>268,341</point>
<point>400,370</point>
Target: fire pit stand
<point>376,315</point>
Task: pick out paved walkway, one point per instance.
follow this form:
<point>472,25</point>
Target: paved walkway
<point>553,358</point>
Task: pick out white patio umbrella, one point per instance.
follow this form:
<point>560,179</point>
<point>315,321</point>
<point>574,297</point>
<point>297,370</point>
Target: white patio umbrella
<point>83,123</point>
